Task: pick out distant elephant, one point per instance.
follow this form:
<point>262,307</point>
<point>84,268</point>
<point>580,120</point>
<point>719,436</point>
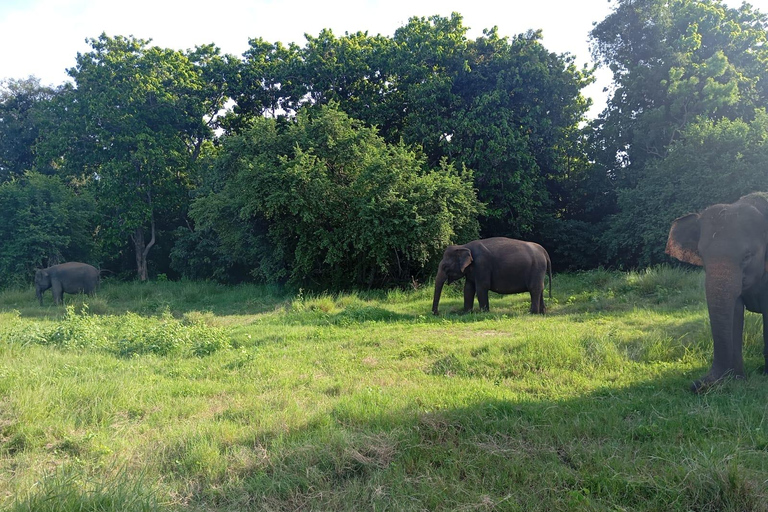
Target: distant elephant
<point>501,265</point>
<point>729,241</point>
<point>72,277</point>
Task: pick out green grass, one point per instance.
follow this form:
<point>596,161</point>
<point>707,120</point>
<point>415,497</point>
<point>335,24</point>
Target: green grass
<point>197,397</point>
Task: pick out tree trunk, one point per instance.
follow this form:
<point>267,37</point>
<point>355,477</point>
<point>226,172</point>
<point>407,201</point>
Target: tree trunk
<point>141,249</point>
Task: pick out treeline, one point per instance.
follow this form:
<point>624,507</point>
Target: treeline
<point>353,160</point>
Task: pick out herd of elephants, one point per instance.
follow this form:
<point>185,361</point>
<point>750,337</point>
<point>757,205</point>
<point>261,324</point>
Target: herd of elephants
<point>729,240</point>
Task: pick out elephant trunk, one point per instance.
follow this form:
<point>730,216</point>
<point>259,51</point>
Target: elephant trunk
<point>39,294</point>
<point>723,288</point>
<point>439,282</point>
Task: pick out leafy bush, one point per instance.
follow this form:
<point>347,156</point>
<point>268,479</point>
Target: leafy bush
<point>168,336</point>
<point>324,200</point>
<point>714,162</point>
<point>125,335</point>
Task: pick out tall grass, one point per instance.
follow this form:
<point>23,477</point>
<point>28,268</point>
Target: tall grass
<point>195,397</point>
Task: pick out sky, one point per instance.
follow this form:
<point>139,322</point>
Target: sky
<point>41,38</point>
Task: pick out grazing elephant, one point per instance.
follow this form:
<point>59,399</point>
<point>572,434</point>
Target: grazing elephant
<point>729,241</point>
<point>501,265</point>
<point>72,277</point>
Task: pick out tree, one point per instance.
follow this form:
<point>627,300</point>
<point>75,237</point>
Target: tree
<point>712,162</point>
<point>324,200</point>
<point>133,125</point>
<point>507,109</point>
<point>20,106</point>
<point>672,62</point>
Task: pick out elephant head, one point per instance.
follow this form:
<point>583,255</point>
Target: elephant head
<point>453,266</point>
<point>42,283</point>
<point>729,241</point>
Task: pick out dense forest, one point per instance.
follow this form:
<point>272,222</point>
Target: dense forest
<point>354,160</point>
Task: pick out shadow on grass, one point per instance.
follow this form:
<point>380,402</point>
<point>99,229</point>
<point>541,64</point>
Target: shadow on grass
<point>647,446</point>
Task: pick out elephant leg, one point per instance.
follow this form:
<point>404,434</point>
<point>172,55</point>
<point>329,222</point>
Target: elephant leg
<point>58,293</point>
<point>537,301</point>
<point>469,295</point>
<point>727,342</point>
<point>765,342</point>
<point>482,298</point>
<point>737,357</point>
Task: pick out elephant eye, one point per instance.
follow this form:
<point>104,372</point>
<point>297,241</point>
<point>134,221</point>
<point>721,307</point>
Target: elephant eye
<point>747,258</point>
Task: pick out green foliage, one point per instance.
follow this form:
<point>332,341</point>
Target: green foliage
<point>678,67</point>
<point>507,109</point>
<point>712,162</point>
<point>168,336</point>
<point>337,205</point>
<point>126,335</point>
<point>21,107</point>
<point>137,158</point>
<point>44,222</point>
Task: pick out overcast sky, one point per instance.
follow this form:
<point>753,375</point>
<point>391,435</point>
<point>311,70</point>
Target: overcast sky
<point>42,37</point>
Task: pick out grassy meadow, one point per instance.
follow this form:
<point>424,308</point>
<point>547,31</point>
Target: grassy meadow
<point>179,396</point>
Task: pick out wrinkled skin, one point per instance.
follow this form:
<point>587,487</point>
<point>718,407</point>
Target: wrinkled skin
<point>501,265</point>
<point>729,241</point>
<point>72,277</point>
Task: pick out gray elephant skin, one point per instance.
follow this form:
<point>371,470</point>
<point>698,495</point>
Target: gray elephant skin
<point>729,241</point>
<point>72,277</point>
<point>501,265</point>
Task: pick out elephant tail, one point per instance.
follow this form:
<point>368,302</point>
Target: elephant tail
<point>549,271</point>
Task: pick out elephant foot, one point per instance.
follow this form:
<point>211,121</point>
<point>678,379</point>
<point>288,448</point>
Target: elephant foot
<point>709,381</point>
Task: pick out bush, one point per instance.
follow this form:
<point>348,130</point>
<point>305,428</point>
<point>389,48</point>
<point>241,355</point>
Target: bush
<point>714,162</point>
<point>326,201</point>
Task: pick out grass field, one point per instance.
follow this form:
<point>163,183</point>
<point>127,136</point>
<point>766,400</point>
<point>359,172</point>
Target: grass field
<point>196,397</point>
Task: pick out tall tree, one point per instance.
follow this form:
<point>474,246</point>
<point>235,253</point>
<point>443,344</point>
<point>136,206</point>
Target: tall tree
<point>323,199</point>
<point>133,124</point>
<point>44,221</point>
<point>673,61</point>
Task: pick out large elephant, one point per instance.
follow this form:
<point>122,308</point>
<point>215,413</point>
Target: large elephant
<point>72,277</point>
<point>501,265</point>
<point>729,241</point>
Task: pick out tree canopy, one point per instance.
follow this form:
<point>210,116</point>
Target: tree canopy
<point>351,160</point>
<point>132,125</point>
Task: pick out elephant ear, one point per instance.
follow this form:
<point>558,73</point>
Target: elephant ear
<point>683,241</point>
<point>465,259</point>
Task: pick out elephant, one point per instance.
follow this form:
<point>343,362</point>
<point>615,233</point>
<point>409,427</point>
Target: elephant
<point>729,241</point>
<point>502,265</point>
<point>72,277</point>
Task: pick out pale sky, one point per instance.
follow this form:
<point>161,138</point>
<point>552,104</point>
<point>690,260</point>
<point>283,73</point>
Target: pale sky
<point>42,37</point>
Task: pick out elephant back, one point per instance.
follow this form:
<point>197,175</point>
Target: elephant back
<point>759,200</point>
